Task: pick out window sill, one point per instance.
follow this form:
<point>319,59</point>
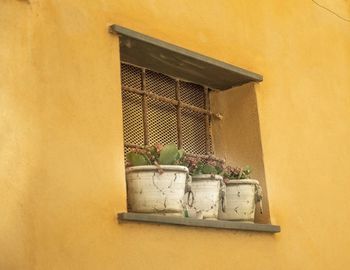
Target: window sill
<point>217,224</point>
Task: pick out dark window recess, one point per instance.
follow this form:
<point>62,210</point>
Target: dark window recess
<point>161,109</point>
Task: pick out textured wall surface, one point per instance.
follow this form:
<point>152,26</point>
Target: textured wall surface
<point>237,136</point>
<point>61,144</point>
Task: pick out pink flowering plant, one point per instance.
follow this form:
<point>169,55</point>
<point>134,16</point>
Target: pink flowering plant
<point>170,155</point>
<point>198,166</point>
<point>231,173</point>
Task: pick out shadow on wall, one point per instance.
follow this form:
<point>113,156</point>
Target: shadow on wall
<point>237,138</point>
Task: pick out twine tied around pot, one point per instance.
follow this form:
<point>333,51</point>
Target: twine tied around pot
<point>222,196</point>
<point>188,190</point>
<point>259,197</point>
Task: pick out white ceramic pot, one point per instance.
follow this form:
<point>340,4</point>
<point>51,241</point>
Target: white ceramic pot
<point>150,191</point>
<point>238,200</point>
<point>206,189</point>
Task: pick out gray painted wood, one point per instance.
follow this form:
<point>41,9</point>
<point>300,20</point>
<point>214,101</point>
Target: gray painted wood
<point>163,57</point>
<point>218,224</point>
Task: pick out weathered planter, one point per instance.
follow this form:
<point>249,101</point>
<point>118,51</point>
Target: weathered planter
<point>238,200</point>
<point>206,189</point>
<point>152,192</point>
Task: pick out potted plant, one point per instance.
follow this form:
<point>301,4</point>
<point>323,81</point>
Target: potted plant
<point>239,195</point>
<point>205,186</point>
<point>156,179</point>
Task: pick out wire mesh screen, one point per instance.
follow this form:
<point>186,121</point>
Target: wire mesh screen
<point>131,76</point>
<point>160,109</point>
<point>162,121</point>
<point>192,94</point>
<point>132,118</point>
<point>193,132</point>
<point>160,84</point>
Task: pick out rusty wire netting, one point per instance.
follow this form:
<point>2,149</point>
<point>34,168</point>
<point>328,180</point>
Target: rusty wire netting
<point>161,109</point>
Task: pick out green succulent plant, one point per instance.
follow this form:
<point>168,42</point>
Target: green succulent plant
<point>203,166</point>
<point>209,169</point>
<point>169,154</point>
<point>156,155</point>
<point>137,159</point>
<point>231,173</point>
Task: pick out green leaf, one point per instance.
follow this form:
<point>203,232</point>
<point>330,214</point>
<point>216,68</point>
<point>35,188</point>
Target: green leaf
<point>168,155</point>
<point>208,169</point>
<point>136,159</point>
<point>181,153</point>
<point>196,171</point>
<point>246,172</point>
<point>247,169</point>
<point>219,170</point>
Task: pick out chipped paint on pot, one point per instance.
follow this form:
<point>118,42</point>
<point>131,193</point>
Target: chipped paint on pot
<point>206,189</point>
<point>238,200</point>
<point>150,191</point>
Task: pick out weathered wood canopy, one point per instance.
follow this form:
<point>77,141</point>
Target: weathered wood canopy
<point>163,57</point>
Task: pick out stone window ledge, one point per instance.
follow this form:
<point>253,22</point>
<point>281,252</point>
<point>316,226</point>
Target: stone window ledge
<point>217,224</point>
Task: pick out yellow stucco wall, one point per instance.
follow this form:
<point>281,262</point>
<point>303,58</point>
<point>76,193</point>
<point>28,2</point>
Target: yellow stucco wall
<point>61,145</point>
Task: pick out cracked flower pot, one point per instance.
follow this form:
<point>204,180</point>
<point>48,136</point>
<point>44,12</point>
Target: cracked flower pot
<point>239,195</point>
<point>156,180</point>
<point>154,191</point>
<point>205,186</point>
<point>206,189</point>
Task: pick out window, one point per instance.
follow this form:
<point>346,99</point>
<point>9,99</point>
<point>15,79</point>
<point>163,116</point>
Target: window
<point>158,107</point>
<point>161,109</point>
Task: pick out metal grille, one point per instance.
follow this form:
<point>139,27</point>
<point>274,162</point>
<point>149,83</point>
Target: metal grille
<point>161,109</point>
<point>193,131</point>
<point>132,118</point>
<point>192,94</point>
<point>160,84</point>
<point>131,77</point>
<point>162,121</point>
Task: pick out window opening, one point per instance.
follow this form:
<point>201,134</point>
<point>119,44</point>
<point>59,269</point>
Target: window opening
<point>161,109</point>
